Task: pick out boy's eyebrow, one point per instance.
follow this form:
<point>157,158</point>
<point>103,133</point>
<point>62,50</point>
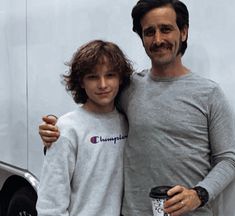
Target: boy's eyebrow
<point>90,73</point>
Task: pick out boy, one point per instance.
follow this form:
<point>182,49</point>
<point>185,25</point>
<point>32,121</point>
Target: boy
<point>82,173</point>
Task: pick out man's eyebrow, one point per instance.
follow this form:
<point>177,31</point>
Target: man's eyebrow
<point>149,28</point>
<point>160,26</point>
<point>167,26</point>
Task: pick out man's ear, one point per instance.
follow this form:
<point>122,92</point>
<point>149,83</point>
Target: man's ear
<point>184,33</point>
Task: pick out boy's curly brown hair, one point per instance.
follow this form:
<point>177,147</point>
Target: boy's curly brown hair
<point>85,60</point>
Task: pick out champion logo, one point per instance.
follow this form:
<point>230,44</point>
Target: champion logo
<point>100,139</point>
<point>94,139</point>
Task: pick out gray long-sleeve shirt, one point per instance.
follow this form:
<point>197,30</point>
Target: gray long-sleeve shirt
<point>181,131</point>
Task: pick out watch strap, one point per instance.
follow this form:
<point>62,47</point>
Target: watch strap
<point>202,194</point>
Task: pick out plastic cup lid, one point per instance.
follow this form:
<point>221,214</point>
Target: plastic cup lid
<point>159,192</point>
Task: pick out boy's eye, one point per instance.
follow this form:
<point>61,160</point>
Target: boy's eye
<point>149,32</point>
<point>91,76</point>
<point>111,74</point>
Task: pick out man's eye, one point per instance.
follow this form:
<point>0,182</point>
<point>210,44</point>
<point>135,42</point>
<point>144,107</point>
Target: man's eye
<point>165,30</point>
<point>149,32</point>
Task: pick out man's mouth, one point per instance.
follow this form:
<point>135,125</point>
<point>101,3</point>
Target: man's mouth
<point>161,48</point>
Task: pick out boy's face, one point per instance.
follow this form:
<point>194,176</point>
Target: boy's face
<point>101,87</point>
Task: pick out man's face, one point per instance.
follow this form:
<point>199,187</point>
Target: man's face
<point>161,36</point>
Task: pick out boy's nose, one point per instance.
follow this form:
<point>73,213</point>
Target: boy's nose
<point>102,82</point>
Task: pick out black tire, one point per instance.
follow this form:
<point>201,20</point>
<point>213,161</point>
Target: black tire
<point>23,203</point>
<point>2,206</point>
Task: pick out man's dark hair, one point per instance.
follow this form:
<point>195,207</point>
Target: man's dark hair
<point>85,60</point>
<point>144,6</point>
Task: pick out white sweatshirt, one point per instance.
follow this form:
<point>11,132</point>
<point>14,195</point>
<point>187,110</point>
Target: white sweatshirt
<point>82,174</point>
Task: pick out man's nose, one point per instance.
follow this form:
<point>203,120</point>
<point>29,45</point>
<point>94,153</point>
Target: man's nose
<point>158,38</point>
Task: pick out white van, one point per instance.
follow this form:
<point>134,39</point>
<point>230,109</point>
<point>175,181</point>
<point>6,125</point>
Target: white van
<point>17,184</point>
<point>31,62</point>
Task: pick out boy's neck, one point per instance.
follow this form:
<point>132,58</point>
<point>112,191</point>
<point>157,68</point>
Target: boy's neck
<point>95,108</point>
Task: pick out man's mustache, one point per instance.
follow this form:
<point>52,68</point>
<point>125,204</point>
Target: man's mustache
<point>155,47</point>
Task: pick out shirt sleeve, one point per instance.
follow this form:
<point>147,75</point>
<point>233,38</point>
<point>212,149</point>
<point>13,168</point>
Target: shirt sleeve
<point>222,143</point>
<point>54,190</point>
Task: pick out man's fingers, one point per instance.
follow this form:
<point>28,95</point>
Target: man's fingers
<point>48,130</point>
<point>177,208</point>
<point>176,194</point>
<point>175,190</point>
<point>49,134</point>
<point>50,119</point>
<point>46,133</point>
<point>48,127</point>
<point>48,140</point>
<point>182,200</point>
<point>180,211</point>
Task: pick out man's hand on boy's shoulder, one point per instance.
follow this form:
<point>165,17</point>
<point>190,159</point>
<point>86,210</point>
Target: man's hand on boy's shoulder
<point>48,130</point>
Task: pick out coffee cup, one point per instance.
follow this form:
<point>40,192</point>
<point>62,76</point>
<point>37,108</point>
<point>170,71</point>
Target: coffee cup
<point>159,196</point>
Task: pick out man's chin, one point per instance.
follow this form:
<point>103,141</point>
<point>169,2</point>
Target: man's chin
<point>161,60</point>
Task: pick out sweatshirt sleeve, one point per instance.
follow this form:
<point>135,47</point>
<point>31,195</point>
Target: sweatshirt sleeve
<point>222,143</point>
<point>54,190</point>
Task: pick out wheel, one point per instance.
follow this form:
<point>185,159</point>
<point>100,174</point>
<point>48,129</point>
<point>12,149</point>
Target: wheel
<point>23,203</point>
<point>2,206</point>
<point>1,211</point>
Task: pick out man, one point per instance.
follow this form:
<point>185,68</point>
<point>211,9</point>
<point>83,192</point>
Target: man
<point>181,129</point>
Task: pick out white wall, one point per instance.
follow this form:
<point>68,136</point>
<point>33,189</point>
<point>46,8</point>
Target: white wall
<point>211,42</point>
<point>13,89</point>
<point>55,29</point>
<point>38,36</point>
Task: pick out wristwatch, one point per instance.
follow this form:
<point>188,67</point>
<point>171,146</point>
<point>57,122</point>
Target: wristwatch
<point>202,194</point>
